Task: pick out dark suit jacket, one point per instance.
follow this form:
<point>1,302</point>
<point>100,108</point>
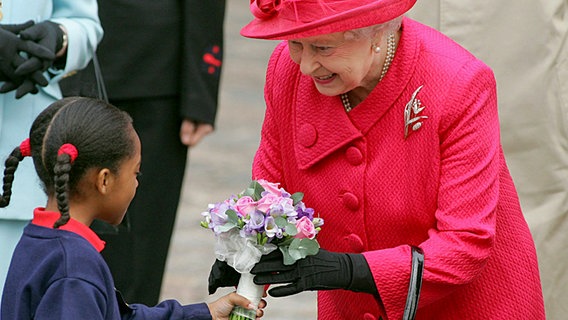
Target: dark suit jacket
<point>162,48</point>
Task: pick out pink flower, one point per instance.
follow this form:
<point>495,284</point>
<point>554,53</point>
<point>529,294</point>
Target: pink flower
<point>264,9</point>
<point>305,228</point>
<point>245,205</point>
<point>271,187</point>
<point>267,201</point>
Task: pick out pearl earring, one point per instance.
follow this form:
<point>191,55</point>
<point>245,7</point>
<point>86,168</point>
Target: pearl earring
<point>376,48</point>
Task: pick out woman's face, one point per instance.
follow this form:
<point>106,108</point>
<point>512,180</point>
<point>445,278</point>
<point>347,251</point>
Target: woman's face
<point>336,65</point>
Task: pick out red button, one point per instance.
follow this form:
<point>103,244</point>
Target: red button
<point>351,201</point>
<point>354,242</point>
<point>354,156</point>
<point>307,135</point>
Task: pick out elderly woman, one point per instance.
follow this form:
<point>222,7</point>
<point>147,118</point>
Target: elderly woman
<point>391,131</point>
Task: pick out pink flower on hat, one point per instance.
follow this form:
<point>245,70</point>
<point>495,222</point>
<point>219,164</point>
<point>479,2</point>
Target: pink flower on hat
<point>264,9</point>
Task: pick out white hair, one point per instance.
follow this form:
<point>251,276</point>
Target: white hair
<point>370,31</point>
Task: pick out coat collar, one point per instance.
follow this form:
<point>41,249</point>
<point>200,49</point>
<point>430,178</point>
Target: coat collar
<point>44,218</point>
<point>321,125</point>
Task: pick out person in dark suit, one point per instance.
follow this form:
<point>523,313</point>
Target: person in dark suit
<point>161,62</point>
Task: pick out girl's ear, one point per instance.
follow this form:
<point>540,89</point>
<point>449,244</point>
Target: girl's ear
<point>104,182</point>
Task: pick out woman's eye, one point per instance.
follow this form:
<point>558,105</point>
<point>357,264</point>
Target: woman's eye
<point>323,50</point>
<point>294,45</point>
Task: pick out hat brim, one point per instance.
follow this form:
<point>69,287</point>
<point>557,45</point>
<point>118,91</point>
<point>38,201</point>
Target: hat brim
<point>279,28</point>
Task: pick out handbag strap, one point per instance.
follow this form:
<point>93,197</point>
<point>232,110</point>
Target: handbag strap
<point>101,89</point>
<point>414,284</point>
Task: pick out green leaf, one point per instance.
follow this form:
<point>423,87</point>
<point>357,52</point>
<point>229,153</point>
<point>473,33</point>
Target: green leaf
<point>227,226</point>
<point>233,217</point>
<point>288,260</point>
<point>281,222</point>
<point>301,248</point>
<point>254,190</point>
<point>204,224</point>
<point>297,197</point>
<point>291,229</point>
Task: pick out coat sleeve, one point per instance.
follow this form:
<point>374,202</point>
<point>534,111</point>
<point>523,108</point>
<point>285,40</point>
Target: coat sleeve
<point>267,162</point>
<point>72,298</point>
<point>84,32</point>
<point>169,309</point>
<point>202,58</point>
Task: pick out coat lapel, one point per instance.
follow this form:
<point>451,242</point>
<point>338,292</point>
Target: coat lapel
<point>321,125</point>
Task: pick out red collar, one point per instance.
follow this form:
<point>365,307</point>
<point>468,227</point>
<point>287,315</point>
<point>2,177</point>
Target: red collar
<point>46,219</point>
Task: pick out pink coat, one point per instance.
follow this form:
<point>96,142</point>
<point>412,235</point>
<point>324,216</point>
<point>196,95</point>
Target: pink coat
<point>444,187</point>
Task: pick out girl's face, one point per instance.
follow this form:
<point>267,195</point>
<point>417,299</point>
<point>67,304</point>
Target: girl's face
<point>335,64</point>
<point>124,184</point>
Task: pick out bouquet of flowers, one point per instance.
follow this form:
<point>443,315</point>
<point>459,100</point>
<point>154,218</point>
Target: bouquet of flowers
<point>257,221</point>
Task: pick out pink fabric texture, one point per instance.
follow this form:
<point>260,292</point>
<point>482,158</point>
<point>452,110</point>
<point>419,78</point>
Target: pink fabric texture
<point>292,19</point>
<point>445,187</point>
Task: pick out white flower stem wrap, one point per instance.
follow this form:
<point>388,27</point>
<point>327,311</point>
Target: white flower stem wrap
<point>240,253</point>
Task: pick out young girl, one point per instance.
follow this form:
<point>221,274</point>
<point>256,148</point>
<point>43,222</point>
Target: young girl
<point>87,156</point>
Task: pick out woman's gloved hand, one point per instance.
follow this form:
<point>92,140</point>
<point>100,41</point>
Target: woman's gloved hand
<point>46,34</point>
<point>222,275</point>
<point>11,44</point>
<point>324,271</point>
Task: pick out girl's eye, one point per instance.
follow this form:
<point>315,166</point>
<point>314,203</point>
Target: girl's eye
<point>138,174</point>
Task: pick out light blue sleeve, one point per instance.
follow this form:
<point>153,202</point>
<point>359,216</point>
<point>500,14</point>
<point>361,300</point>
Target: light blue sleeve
<point>84,32</point>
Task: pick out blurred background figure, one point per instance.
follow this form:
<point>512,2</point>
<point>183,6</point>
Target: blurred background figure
<point>161,62</point>
<point>41,42</point>
<point>525,42</point>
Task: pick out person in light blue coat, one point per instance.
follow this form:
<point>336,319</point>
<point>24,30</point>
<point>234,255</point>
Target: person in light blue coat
<point>70,30</point>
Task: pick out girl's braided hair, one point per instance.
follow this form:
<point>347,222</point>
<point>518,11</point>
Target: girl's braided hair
<point>99,132</point>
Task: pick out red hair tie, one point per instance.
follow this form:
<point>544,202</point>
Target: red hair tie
<point>70,150</point>
<point>25,148</point>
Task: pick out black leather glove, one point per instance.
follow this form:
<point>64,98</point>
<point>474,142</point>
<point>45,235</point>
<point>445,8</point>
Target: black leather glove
<point>324,271</point>
<point>24,84</point>
<point>11,45</point>
<point>47,34</point>
<point>10,59</point>
<point>222,275</point>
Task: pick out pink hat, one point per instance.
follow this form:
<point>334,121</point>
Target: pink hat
<point>292,19</point>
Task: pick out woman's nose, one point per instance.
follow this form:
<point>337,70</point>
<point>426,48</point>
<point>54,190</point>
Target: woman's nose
<point>308,62</point>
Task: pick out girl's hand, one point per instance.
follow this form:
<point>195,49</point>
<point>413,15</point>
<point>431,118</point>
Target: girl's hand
<point>222,307</point>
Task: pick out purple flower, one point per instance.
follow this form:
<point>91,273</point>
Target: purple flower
<point>256,220</point>
<point>271,228</point>
<point>218,213</point>
<point>305,212</point>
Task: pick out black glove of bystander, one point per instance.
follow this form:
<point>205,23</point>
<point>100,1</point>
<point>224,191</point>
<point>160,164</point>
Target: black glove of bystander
<point>11,45</point>
<point>222,275</point>
<point>47,34</point>
<point>324,271</point>
<point>10,60</point>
